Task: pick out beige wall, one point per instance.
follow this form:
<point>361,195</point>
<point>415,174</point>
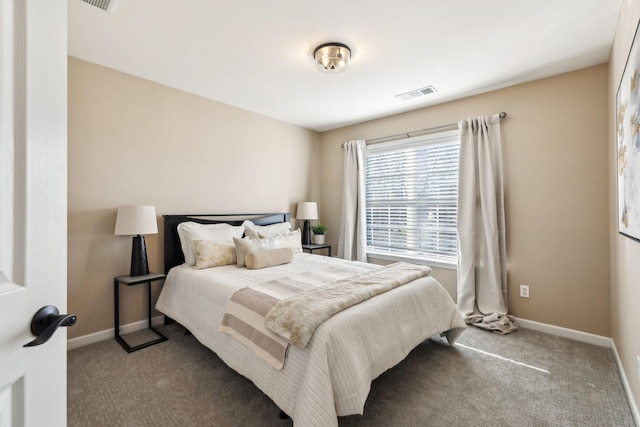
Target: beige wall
<point>135,142</point>
<point>625,253</point>
<point>556,175</point>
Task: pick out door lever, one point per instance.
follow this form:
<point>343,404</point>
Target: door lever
<point>46,321</point>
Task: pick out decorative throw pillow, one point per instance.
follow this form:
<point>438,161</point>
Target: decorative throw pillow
<point>289,240</point>
<point>292,239</point>
<point>252,230</point>
<point>213,254</point>
<point>243,247</point>
<point>190,231</point>
<point>268,258</point>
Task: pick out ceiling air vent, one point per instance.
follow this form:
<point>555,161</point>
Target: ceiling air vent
<point>106,5</point>
<point>416,93</point>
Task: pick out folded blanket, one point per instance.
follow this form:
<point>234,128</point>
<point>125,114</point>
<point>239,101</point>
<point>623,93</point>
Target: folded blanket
<point>268,258</point>
<point>244,316</point>
<point>244,320</point>
<point>263,317</point>
<point>297,317</point>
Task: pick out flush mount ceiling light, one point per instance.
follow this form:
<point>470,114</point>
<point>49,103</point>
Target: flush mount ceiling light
<point>332,58</point>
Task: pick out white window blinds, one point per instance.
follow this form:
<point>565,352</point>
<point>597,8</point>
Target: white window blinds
<point>411,197</point>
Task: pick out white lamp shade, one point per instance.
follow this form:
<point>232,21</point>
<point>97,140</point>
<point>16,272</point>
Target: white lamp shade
<point>307,210</point>
<point>135,220</point>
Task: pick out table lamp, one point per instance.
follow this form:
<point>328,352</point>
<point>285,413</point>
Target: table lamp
<point>307,211</point>
<point>137,221</point>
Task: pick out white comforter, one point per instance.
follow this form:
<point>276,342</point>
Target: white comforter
<point>332,376</point>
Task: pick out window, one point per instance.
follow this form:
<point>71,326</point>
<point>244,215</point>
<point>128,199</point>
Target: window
<point>411,198</point>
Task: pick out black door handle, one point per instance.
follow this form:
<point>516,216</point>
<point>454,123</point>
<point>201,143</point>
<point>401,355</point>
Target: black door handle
<point>46,321</point>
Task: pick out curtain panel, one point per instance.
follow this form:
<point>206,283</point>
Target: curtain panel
<point>352,241</point>
<point>482,273</point>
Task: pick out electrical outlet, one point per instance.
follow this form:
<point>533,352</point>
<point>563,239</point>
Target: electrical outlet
<point>524,291</point>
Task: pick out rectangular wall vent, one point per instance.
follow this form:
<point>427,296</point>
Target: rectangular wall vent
<point>106,5</point>
<point>416,93</point>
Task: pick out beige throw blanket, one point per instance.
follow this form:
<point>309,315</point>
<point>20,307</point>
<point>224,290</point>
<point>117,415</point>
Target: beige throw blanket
<point>296,318</point>
<point>294,307</point>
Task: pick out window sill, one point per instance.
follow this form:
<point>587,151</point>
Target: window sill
<point>422,261</point>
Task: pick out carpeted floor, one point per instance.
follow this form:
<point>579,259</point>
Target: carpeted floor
<point>523,379</point>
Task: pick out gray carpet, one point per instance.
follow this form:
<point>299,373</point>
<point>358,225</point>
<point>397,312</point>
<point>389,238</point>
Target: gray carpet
<point>523,379</point>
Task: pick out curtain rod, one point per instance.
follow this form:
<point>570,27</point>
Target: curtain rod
<point>450,126</point>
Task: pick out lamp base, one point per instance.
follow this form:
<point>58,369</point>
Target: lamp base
<point>139,264</point>
<point>306,233</point>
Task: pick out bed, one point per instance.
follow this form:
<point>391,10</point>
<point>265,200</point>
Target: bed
<point>332,375</point>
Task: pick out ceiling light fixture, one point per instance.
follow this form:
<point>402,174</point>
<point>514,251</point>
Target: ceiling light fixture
<point>332,58</point>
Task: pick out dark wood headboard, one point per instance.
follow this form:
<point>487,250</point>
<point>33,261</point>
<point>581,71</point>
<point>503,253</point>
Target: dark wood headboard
<point>173,252</point>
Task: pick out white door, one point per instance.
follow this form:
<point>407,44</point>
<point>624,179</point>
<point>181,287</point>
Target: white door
<point>33,206</point>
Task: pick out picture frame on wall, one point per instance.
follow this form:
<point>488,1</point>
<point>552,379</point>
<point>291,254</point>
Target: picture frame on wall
<point>628,144</point>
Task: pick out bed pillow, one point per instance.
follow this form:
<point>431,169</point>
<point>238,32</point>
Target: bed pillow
<point>190,231</point>
<point>252,230</point>
<point>213,254</point>
<point>244,246</point>
<point>268,258</point>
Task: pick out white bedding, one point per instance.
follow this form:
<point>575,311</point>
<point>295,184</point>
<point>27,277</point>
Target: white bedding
<point>332,376</point>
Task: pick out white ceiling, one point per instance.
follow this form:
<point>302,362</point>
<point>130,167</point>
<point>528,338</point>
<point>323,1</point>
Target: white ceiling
<point>255,54</point>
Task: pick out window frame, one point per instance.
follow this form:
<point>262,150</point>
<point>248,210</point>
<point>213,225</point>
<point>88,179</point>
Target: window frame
<point>408,143</point>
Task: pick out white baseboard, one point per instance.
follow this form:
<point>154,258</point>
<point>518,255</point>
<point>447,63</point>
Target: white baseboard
<point>565,332</point>
<point>109,333</point>
<point>527,324</point>
<point>625,382</point>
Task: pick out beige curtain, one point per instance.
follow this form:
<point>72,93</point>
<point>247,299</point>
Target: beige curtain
<point>482,274</point>
<point>352,241</point>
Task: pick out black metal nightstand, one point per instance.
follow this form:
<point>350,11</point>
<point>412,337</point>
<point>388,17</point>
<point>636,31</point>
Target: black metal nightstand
<point>131,281</point>
<point>312,248</point>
